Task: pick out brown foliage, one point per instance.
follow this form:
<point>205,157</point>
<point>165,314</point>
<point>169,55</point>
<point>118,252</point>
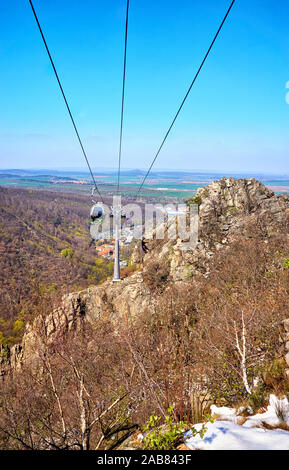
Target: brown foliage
<point>35,228</point>
<point>69,398</point>
<point>248,278</point>
<point>187,338</point>
<point>156,275</point>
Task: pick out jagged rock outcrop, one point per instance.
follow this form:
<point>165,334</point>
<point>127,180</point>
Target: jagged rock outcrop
<point>226,208</point>
<point>115,300</point>
<point>230,204</point>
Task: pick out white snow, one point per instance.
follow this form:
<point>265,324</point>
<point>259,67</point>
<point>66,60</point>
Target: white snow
<point>271,416</point>
<point>140,437</point>
<point>224,413</point>
<point>225,435</point>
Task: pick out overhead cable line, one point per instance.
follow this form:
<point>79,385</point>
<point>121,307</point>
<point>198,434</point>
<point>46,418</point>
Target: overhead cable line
<point>65,100</point>
<point>123,95</point>
<point>186,95</point>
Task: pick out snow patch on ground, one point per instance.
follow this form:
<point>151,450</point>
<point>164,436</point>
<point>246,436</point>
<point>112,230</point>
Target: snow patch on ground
<point>226,432</point>
<point>226,435</point>
<point>277,412</point>
<point>224,413</point>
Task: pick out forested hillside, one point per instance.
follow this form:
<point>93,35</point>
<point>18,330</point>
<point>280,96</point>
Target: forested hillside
<point>45,250</point>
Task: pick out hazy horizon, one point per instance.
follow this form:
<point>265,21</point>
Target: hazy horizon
<point>140,169</point>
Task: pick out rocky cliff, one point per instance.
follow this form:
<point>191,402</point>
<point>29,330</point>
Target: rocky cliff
<point>227,208</point>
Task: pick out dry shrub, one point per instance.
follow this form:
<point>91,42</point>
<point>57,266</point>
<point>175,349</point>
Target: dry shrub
<point>161,342</point>
<point>74,396</point>
<point>156,275</point>
<point>247,279</point>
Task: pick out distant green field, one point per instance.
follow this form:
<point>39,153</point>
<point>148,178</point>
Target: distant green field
<point>179,185</point>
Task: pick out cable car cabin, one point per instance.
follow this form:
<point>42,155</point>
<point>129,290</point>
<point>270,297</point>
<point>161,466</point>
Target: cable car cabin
<point>96,213</point>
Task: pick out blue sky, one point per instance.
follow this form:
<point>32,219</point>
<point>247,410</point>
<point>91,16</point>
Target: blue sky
<point>236,117</point>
